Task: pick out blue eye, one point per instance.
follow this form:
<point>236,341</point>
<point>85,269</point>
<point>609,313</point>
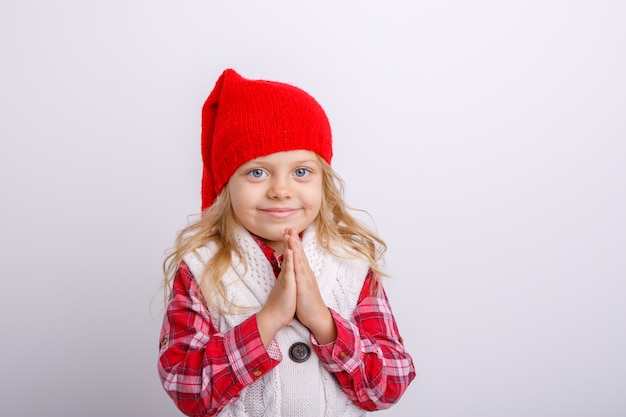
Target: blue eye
<point>302,172</point>
<point>256,173</point>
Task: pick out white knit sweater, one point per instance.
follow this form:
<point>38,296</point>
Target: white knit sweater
<point>291,389</point>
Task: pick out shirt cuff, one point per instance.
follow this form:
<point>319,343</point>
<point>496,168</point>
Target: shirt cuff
<point>247,354</point>
<point>343,353</point>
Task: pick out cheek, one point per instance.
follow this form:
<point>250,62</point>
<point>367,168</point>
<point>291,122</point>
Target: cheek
<point>238,203</point>
<point>315,199</point>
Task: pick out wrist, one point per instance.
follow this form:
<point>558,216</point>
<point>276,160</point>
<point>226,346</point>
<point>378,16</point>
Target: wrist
<point>323,328</point>
<point>266,326</point>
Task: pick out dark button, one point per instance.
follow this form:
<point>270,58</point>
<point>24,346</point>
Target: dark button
<point>299,352</point>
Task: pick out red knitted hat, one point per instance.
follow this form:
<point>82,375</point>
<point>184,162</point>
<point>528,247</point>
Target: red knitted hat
<point>244,119</point>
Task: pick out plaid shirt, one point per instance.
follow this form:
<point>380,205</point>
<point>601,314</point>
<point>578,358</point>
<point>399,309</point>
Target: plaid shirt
<point>203,370</point>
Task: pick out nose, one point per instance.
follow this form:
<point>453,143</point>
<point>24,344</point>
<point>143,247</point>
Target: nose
<point>279,189</point>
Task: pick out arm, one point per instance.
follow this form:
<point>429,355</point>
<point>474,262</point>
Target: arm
<point>200,369</point>
<point>368,357</point>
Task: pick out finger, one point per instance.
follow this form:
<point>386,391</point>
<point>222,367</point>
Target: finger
<point>288,237</point>
<point>302,269</point>
<point>287,266</point>
<point>294,241</point>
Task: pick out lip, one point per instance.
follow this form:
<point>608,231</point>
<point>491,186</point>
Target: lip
<point>279,212</point>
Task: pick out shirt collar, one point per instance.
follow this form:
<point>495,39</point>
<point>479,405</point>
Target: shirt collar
<point>270,254</point>
<point>267,250</point>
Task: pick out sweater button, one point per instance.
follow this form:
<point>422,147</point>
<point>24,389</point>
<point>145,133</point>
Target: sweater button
<point>299,352</point>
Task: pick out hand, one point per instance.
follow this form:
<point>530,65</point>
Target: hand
<point>280,307</point>
<point>311,309</point>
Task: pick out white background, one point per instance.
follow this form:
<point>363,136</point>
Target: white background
<point>487,139</point>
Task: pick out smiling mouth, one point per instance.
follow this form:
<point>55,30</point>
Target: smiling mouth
<point>279,212</point>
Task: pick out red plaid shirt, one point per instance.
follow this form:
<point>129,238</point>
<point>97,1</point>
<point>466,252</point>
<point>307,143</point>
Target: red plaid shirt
<point>203,370</point>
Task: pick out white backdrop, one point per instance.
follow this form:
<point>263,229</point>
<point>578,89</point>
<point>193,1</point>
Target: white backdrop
<point>487,139</point>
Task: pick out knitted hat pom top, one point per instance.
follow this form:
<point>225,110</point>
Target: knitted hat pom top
<point>244,119</point>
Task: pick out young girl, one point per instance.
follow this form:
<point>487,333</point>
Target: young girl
<point>275,305</point>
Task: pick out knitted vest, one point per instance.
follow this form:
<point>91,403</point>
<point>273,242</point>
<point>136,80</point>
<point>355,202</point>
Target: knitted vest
<point>291,389</point>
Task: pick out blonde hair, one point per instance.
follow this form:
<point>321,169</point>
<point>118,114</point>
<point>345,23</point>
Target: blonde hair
<point>336,226</point>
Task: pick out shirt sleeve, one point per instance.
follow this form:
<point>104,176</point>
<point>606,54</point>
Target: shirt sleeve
<point>368,357</point>
<point>201,369</point>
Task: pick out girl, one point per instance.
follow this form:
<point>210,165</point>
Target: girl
<point>275,306</point>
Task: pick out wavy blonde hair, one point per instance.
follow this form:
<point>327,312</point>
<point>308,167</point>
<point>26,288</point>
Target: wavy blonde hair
<point>336,226</point>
